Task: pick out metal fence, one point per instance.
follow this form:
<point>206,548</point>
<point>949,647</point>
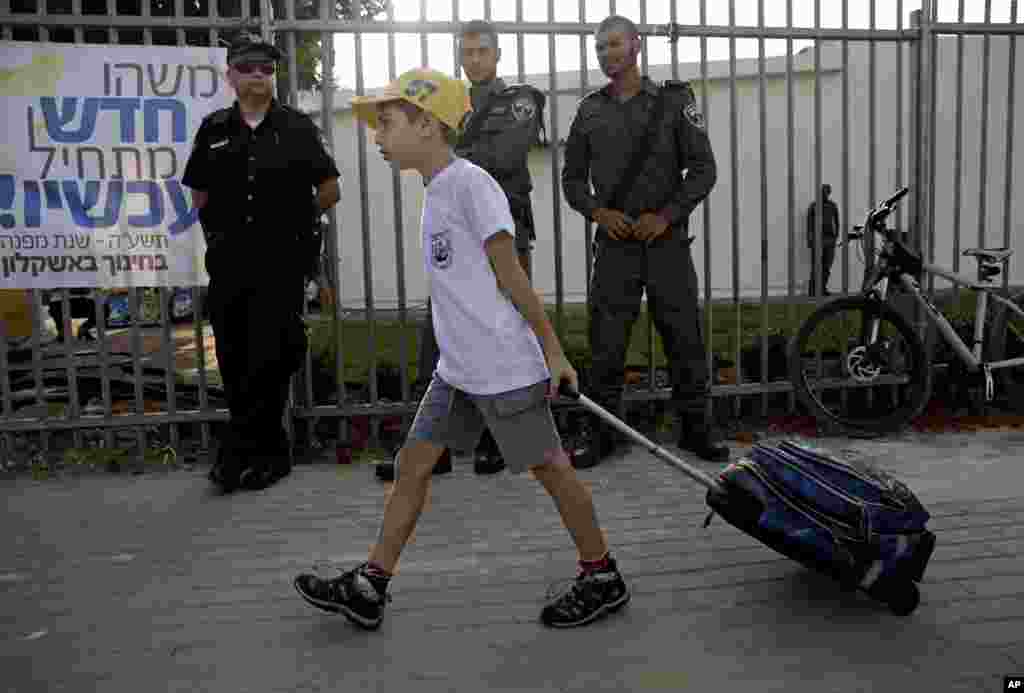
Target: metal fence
<point>915,158</point>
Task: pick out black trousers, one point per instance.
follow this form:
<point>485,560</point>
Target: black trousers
<point>261,342</point>
<point>828,256</point>
<point>622,272</point>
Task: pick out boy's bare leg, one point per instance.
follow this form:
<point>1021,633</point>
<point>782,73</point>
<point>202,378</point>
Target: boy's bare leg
<point>416,466</point>
<point>575,505</point>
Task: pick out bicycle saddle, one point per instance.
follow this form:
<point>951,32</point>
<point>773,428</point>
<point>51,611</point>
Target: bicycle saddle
<point>989,254</point>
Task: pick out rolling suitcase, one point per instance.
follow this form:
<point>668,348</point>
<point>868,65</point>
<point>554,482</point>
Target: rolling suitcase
<point>844,518</point>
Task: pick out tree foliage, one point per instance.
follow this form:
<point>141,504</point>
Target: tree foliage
<point>308,45</point>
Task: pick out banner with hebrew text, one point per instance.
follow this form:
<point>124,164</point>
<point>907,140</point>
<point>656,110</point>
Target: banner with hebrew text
<point>96,140</point>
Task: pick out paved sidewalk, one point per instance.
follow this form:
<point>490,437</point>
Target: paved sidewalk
<point>153,583</point>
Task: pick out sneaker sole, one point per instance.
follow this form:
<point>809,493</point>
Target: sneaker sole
<point>605,610</point>
<point>362,621</point>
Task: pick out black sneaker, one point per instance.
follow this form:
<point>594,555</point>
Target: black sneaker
<point>385,471</point>
<point>351,594</point>
<point>225,470</point>
<point>590,597</point>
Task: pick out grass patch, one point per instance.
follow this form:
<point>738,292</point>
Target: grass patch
<point>733,327</point>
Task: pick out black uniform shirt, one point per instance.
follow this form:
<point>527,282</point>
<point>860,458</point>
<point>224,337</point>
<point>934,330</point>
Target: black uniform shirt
<point>260,183</point>
<point>603,136</point>
<point>500,143</point>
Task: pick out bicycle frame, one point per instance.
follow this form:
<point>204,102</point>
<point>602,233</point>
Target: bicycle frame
<point>972,357</point>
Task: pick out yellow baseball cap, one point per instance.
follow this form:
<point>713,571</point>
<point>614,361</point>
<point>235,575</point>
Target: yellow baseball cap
<point>435,92</point>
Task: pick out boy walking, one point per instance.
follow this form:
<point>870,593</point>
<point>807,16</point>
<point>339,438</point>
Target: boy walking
<point>500,358</point>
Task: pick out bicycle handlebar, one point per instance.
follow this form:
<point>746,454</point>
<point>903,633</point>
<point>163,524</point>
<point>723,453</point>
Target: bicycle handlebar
<point>896,198</point>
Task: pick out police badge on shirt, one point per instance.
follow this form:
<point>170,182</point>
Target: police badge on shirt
<point>524,108</point>
<point>693,115</point>
<point>441,249</point>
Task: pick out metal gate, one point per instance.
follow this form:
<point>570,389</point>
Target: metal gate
<point>892,106</point>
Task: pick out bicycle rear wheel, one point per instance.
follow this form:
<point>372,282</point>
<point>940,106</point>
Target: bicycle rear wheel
<point>867,385</point>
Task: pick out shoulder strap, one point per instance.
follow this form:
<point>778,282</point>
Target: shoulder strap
<point>618,197</point>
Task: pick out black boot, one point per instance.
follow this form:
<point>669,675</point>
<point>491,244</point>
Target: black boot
<point>488,459</point>
<point>595,441</point>
<point>697,437</point>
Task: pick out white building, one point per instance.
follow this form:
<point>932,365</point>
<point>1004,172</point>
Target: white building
<point>891,170</point>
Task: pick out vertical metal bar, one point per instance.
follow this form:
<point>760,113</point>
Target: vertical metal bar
<point>556,188</point>
<point>898,46</point>
<point>101,339</point>
<point>872,119</point>
<point>76,13</point>
<point>35,296</point>
<point>705,98</point>
<point>135,311</point>
<point>735,180</point>
<point>645,70</point>
<point>293,68</point>
<point>112,33</point>
<point>147,31</point>
<point>199,334</point>
<point>396,185</point>
<point>933,72</point>
<point>958,140</point>
<point>214,35</point>
<point>651,342</point>
<point>423,36</point>
<point>986,50</point>
<point>791,180</point>
<point>168,343</point>
<point>6,440</point>
<point>7,31</point>
<point>44,35</point>
<point>588,229</point>
<point>179,39</point>
<point>334,254</point>
<point>819,202</point>
<point>763,137</point>
<point>72,412</point>
<point>487,10</point>
<point>520,58</point>
<point>846,144</point>
<point>456,58</point>
<point>364,203</point>
<point>1011,108</point>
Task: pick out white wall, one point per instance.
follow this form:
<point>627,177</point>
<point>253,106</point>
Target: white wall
<point>891,170</point>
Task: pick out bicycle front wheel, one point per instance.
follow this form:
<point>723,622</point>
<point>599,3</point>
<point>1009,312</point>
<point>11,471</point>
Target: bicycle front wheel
<point>858,363</point>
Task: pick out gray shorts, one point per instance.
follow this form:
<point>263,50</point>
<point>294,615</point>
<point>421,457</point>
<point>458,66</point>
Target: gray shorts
<point>520,421</point>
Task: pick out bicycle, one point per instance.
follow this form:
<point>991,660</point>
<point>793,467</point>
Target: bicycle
<point>857,362</point>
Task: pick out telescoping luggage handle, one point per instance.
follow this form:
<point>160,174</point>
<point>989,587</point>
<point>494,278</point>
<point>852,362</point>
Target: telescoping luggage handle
<point>702,478</point>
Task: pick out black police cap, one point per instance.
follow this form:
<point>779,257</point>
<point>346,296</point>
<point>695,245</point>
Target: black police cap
<point>248,45</point>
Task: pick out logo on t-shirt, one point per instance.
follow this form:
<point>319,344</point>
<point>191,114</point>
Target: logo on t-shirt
<point>441,249</point>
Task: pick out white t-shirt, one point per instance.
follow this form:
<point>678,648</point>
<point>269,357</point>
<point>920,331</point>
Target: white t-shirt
<point>486,345</point>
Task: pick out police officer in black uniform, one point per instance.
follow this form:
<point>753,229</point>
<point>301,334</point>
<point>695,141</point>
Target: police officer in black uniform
<point>261,177</point>
<point>642,242</point>
<point>497,136</point>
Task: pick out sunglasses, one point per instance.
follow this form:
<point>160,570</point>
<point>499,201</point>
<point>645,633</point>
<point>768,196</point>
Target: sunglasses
<point>249,68</point>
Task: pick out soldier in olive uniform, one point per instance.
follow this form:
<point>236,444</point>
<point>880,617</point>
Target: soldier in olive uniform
<point>260,174</point>
<point>496,136</point>
<point>642,243</point>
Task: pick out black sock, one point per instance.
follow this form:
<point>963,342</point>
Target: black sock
<point>377,576</point>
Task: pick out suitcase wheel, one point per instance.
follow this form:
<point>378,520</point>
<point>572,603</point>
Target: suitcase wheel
<point>904,598</point>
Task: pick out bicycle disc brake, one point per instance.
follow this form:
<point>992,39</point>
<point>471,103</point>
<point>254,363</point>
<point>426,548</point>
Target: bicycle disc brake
<point>861,365</point>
